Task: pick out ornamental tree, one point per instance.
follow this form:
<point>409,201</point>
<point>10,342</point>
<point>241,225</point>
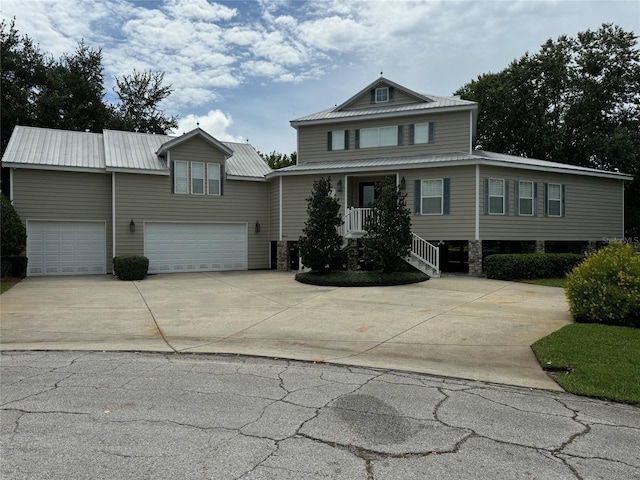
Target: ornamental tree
<point>13,234</point>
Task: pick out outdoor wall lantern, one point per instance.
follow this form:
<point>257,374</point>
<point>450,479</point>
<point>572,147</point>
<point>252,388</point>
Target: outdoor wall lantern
<point>403,183</point>
<point>339,186</point>
<point>132,226</point>
<point>257,226</point>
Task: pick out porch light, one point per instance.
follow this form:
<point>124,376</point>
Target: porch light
<point>339,186</point>
<point>132,226</point>
<point>257,227</point>
<point>403,183</point>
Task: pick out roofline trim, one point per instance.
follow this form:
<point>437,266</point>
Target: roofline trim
<point>141,171</point>
<point>59,168</point>
<point>377,81</point>
<point>197,132</point>
<point>247,178</point>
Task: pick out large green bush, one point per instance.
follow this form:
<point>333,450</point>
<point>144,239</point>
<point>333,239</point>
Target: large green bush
<point>605,288</point>
<point>13,237</point>
<point>130,267</point>
<point>515,266</point>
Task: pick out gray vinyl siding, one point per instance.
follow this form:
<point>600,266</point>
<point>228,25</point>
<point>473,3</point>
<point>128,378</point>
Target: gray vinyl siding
<point>197,150</point>
<point>64,196</point>
<point>593,208</point>
<point>295,191</point>
<point>399,98</point>
<point>148,198</point>
<point>274,210</point>
<point>459,223</point>
<point>451,135</point>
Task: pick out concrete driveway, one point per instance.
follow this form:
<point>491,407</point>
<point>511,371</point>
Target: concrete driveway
<point>454,326</point>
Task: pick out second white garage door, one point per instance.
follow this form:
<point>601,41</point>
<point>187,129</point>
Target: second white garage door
<point>195,247</point>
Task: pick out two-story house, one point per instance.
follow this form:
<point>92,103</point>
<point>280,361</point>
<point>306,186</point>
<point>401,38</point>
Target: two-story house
<point>192,203</point>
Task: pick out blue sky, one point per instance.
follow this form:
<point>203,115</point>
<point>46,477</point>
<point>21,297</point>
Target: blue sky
<point>244,69</point>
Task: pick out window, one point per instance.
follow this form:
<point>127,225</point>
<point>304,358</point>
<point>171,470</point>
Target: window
<point>432,197</point>
<point>213,179</point>
<point>382,94</point>
<point>421,133</point>
<point>378,137</point>
<point>338,140</point>
<point>181,177</point>
<point>525,198</point>
<point>554,200</point>
<point>496,196</point>
<point>197,178</point>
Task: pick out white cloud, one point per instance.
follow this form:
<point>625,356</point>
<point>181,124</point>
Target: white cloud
<point>215,123</point>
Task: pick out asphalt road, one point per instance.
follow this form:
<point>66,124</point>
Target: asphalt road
<point>111,415</point>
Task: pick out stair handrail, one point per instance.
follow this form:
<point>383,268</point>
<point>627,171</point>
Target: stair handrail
<point>425,251</point>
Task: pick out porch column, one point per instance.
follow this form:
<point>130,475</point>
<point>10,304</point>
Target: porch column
<point>540,248</point>
<point>352,254</point>
<point>475,258</point>
<point>284,257</point>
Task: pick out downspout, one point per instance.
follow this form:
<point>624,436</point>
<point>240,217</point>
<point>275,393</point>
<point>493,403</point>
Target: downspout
<point>11,184</point>
<point>280,209</point>
<point>113,214</point>
<point>471,132</point>
<point>477,202</point>
<point>346,191</point>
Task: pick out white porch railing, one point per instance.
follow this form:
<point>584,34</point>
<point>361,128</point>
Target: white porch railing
<point>425,251</point>
<point>355,219</point>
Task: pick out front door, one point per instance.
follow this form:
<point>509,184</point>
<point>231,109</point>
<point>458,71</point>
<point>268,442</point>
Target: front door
<point>367,194</point>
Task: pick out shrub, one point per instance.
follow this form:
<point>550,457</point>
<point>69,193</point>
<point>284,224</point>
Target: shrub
<point>513,266</point>
<point>605,288</point>
<point>130,267</point>
<point>13,237</point>
<point>361,279</point>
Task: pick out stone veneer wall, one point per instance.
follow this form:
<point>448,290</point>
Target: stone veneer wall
<point>284,259</point>
<point>475,258</point>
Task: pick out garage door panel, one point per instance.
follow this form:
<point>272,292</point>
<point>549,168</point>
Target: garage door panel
<point>195,247</point>
<point>66,248</point>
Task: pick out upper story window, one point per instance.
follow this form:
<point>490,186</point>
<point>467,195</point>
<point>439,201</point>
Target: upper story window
<point>378,137</point>
<point>382,94</point>
<point>196,178</point>
<point>421,133</point>
<point>338,140</point>
<point>496,196</point>
<point>526,197</point>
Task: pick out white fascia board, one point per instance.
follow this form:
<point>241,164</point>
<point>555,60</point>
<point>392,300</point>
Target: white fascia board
<point>246,179</point>
<point>140,171</point>
<point>378,116</point>
<point>553,169</point>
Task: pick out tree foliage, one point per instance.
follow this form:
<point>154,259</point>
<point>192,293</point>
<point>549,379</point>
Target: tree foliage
<point>279,160</point>
<point>388,239</point>
<point>576,101</point>
<point>13,234</point>
<point>320,242</point>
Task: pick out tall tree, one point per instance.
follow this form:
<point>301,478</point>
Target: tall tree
<point>320,242</point>
<point>140,95</point>
<point>388,239</point>
<point>576,101</point>
<point>279,160</point>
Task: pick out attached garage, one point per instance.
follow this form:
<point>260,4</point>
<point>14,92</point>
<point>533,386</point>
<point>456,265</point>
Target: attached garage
<point>66,248</point>
<point>195,247</point>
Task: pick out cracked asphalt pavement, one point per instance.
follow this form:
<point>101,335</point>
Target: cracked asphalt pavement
<point>106,415</point>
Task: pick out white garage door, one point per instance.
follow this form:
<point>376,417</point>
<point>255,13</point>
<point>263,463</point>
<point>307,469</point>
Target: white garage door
<point>193,247</point>
<point>66,248</point>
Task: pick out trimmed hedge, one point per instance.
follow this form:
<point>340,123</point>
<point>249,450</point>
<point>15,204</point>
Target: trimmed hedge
<point>130,267</point>
<point>15,267</point>
<point>360,279</point>
<point>513,266</point>
<point>605,288</point>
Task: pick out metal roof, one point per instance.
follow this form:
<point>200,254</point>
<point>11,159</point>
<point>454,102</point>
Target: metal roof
<point>245,161</point>
<point>478,157</point>
<point>45,147</point>
<point>113,150</point>
<point>133,151</point>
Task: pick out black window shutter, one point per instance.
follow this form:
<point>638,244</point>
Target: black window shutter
<point>222,175</point>
<point>400,135</point>
<point>416,198</point>
<point>346,139</point>
<point>546,199</point>
<point>372,96</point>
<point>506,197</point>
<point>446,188</point>
<point>562,205</point>
<point>516,206</point>
<point>391,93</point>
<point>486,196</point>
<point>412,134</point>
<point>173,178</point>
<point>357,139</point>
<point>535,199</point>
<point>329,139</point>
<point>432,132</point>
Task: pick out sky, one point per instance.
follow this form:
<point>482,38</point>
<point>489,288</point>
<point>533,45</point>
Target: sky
<point>243,70</point>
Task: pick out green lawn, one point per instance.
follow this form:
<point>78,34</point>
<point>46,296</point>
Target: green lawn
<point>594,360</point>
<point>547,282</point>
<point>4,286</point>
